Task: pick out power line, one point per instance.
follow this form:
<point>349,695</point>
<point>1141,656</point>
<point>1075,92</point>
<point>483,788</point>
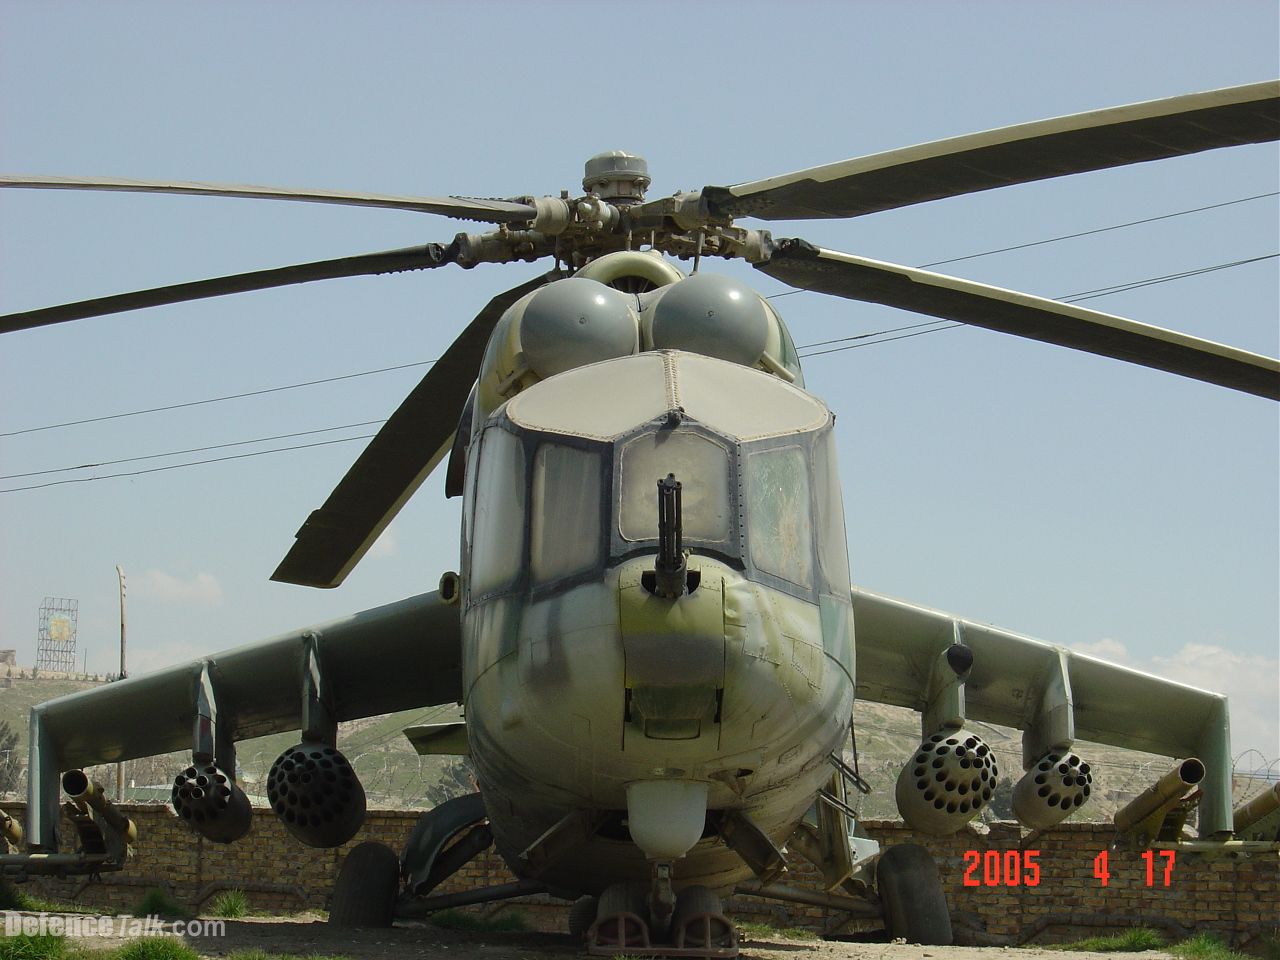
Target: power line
<point>1087,233</point>
<point>177,453</point>
<point>1071,236</point>
<point>950,325</point>
<point>233,396</point>
<point>863,336</point>
<point>1152,281</point>
<point>179,466</point>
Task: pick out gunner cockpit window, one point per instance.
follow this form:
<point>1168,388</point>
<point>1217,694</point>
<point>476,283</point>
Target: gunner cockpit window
<point>702,467</point>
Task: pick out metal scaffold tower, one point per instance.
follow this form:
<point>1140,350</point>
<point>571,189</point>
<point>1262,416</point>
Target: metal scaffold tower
<point>56,641</point>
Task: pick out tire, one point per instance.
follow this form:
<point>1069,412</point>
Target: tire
<point>581,916</point>
<point>364,895</point>
<point>915,907</point>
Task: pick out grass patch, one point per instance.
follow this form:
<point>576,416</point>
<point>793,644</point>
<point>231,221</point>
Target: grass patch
<point>510,922</point>
<point>1131,941</point>
<point>231,904</point>
<point>23,947</point>
<point>157,903</point>
<point>1205,946</point>
<point>11,898</point>
<point>767,931</point>
<point>154,948</point>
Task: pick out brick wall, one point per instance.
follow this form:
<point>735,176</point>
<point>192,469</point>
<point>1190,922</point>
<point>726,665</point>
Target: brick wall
<point>1233,898</point>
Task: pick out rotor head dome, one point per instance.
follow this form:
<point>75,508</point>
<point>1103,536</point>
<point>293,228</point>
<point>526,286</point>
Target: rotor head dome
<point>616,175</point>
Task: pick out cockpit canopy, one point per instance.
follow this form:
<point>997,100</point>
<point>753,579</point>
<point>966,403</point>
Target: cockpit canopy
<point>562,481</point>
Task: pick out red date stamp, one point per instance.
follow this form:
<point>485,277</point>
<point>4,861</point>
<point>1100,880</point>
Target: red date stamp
<point>1021,868</point>
<point>1102,869</point>
<point>1002,868</point>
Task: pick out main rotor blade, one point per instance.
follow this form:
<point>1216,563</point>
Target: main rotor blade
<point>398,459</point>
<point>388,261</point>
<point>856,278</point>
<point>1008,155</point>
<point>460,208</point>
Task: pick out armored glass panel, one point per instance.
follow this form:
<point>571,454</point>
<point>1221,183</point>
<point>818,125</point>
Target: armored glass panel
<point>499,513</point>
<point>833,551</point>
<point>702,467</point>
<point>565,521</point>
<point>778,513</point>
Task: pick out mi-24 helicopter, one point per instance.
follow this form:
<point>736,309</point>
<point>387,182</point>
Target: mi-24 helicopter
<point>652,630</point>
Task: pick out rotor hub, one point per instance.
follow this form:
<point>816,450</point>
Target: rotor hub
<point>617,176</point>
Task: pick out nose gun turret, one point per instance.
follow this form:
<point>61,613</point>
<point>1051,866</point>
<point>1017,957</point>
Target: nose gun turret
<point>669,571</point>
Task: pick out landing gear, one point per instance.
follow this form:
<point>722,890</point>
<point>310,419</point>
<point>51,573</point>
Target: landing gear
<point>364,895</point>
<point>695,926</point>
<point>367,891</point>
<point>582,915</point>
<point>915,907</point>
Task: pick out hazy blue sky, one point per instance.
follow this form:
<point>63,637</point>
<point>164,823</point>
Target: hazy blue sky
<point>1077,499</point>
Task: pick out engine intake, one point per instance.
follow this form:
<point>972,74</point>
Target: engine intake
<point>950,778</point>
<point>208,799</point>
<point>1058,784</point>
<point>316,794</point>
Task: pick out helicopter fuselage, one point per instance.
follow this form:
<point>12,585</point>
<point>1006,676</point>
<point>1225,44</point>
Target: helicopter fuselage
<point>589,692</point>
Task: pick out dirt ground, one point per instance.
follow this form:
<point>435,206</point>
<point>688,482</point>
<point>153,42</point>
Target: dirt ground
<point>311,937</point>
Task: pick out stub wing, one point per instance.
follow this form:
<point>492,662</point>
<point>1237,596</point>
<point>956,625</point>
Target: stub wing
<point>396,657</point>
<point>1054,695</point>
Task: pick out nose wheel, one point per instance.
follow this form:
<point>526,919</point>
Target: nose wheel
<point>694,925</point>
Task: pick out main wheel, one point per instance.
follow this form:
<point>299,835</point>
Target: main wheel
<point>364,895</point>
<point>915,907</point>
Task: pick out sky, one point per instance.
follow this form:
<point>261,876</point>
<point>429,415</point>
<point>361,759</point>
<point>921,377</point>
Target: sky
<point>1084,501</point>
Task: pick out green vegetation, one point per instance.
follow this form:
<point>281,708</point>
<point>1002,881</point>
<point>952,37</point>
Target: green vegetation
<point>766,931</point>
<point>23,947</point>
<point>11,898</point>
<point>475,923</point>
<point>50,947</point>
<point>1131,941</point>
<point>15,898</point>
<point>1205,946</point>
<point>152,948</point>
<point>157,903</point>
<point>232,904</point>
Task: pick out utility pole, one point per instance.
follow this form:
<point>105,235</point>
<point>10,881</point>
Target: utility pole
<point>123,674</point>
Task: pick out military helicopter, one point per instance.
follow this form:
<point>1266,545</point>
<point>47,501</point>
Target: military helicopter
<point>652,629</point>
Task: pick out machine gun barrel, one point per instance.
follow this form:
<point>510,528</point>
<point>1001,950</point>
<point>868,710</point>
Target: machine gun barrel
<point>10,829</point>
<point>86,793</point>
<point>1161,796</point>
<point>670,567</point>
<point>1263,805</point>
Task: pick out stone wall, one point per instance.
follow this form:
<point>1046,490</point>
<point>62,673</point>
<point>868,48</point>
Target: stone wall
<point>1233,898</point>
